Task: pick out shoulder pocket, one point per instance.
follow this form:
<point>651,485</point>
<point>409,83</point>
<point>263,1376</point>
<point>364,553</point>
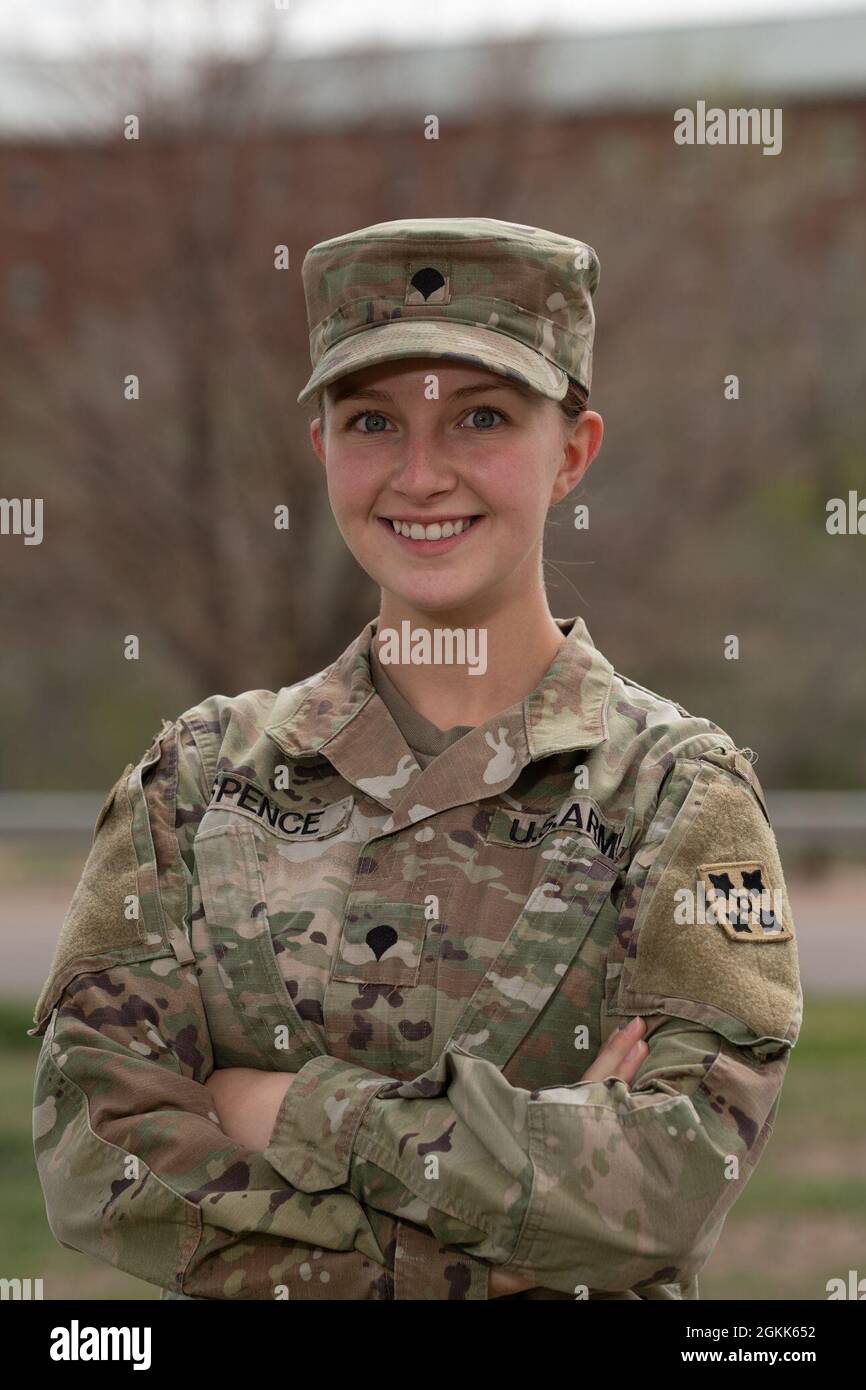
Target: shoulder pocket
<point>713,939</point>
<point>109,800</point>
<point>103,924</point>
<point>115,914</point>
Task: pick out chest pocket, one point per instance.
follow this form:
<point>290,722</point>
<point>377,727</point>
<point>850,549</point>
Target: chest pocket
<point>257,894</point>
<point>381,942</point>
<point>555,919</point>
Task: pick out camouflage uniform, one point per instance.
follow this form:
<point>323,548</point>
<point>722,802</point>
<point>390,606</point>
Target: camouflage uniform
<point>437,946</point>
<point>439,954</point>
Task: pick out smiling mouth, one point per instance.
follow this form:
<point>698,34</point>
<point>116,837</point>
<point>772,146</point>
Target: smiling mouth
<point>432,537</point>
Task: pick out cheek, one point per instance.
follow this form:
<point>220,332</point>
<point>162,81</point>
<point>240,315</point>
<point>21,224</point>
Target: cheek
<point>515,488</point>
<point>350,485</point>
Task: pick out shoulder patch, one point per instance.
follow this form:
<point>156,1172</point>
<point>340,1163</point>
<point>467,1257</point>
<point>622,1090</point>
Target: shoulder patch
<point>713,937</point>
<point>741,902</point>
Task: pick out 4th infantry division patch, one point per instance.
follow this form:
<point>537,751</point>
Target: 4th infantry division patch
<point>739,899</point>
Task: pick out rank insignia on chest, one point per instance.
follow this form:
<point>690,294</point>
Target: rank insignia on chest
<point>739,897</point>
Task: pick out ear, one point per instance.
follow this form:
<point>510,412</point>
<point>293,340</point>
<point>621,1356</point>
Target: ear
<point>581,446</point>
<point>317,439</point>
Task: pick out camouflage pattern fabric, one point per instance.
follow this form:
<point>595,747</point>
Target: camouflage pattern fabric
<point>438,955</point>
<point>515,299</point>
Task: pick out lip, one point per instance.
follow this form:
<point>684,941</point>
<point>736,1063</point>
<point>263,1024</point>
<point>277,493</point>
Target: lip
<point>430,547</point>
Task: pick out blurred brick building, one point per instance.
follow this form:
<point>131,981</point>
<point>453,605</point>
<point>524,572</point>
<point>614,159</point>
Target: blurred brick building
<point>580,129</point>
<point>714,261</point>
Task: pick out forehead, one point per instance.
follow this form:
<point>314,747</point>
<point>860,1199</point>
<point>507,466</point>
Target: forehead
<point>406,376</point>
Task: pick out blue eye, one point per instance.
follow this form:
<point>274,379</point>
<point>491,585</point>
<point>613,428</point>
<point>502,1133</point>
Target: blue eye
<point>369,415</point>
<point>377,423</point>
<point>485,411</point>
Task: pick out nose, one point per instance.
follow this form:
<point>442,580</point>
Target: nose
<point>421,468</point>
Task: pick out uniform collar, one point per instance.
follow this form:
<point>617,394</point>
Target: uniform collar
<point>338,713</point>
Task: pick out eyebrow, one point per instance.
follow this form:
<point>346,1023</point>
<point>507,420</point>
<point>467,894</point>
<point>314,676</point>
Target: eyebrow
<point>373,393</point>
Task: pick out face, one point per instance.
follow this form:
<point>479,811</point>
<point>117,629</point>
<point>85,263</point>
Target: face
<point>477,469</point>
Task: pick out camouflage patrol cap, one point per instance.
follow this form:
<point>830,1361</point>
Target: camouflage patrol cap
<point>515,299</point>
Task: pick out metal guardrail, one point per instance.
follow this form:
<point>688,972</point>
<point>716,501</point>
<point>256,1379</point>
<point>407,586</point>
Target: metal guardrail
<point>34,813</point>
<point>817,814</point>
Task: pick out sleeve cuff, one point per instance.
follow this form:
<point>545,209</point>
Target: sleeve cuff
<point>313,1136</point>
<point>425,1270</point>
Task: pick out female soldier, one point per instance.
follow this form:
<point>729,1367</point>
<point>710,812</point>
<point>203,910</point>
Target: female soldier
<point>335,1010</point>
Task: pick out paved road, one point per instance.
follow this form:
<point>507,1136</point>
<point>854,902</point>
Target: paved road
<point>829,917</point>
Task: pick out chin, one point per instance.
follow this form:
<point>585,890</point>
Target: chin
<point>433,601</point>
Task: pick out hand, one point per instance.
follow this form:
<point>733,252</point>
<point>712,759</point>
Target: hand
<point>501,1282</point>
<point>622,1055</point>
<point>247,1103</point>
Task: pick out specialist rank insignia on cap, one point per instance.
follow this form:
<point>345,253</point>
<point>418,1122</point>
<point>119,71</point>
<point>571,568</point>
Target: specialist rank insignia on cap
<point>739,899</point>
<point>427,286</point>
<point>512,298</point>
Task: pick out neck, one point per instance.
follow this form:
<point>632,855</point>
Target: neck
<point>513,645</point>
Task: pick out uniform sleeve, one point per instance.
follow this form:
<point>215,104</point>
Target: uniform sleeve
<point>596,1185</point>
<point>134,1167</point>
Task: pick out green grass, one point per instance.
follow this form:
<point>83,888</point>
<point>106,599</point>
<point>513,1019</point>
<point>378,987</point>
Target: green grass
<point>15,1019</point>
<point>800,1220</point>
<point>802,1216</point>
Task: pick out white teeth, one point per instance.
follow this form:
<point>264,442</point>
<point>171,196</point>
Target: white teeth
<point>434,532</point>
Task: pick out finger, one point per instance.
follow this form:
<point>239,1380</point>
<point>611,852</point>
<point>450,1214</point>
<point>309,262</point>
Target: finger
<point>628,1069</point>
<point>503,1283</point>
<point>620,1043</point>
<point>612,1055</point>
